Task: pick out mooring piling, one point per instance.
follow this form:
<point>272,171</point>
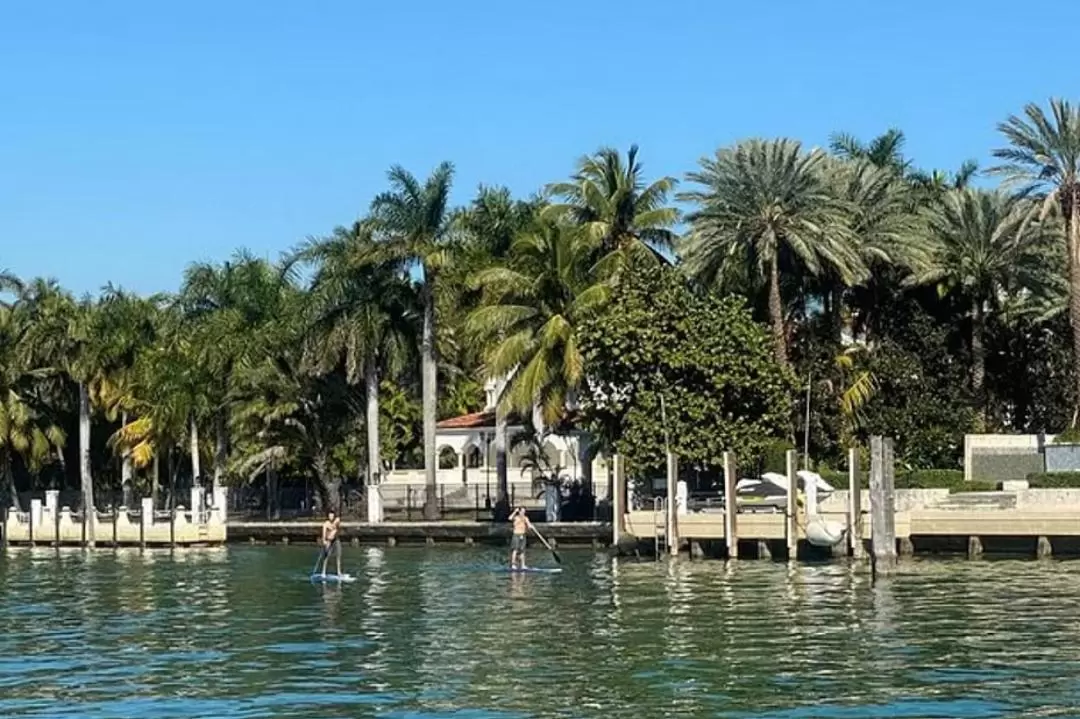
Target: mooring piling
<point>882,506</point>
<point>731,506</point>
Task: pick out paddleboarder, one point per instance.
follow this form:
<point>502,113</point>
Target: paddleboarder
<point>330,541</point>
<point>517,540</point>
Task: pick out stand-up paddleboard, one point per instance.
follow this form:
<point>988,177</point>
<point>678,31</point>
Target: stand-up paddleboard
<point>532,570</point>
<point>333,578</point>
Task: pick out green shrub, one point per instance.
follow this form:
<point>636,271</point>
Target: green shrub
<point>1069,436</point>
<point>1054,480</point>
<point>952,479</point>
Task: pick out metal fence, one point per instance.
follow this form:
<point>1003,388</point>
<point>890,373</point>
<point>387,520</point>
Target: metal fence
<point>400,502</point>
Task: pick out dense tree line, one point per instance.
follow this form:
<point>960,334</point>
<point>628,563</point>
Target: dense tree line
<point>807,296</point>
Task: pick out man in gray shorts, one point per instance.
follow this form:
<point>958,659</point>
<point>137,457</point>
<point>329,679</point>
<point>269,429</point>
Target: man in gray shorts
<point>517,540</point>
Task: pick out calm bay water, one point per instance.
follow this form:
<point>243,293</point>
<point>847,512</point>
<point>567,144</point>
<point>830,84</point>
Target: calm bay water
<point>241,632</point>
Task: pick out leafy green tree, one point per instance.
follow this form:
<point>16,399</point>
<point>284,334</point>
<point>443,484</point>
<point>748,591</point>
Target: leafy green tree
<point>658,350</point>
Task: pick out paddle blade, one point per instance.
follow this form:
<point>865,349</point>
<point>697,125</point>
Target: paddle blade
<point>556,557</point>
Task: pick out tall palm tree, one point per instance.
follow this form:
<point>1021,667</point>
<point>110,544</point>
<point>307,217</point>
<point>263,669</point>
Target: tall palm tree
<point>762,206</point>
<point>26,431</point>
<point>1043,159</point>
<point>890,233</point>
<point>532,304</point>
<point>59,336</point>
<point>609,200</point>
<point>415,221</point>
<point>360,315</point>
<point>991,246</point>
<point>223,308</point>
<point>886,151</point>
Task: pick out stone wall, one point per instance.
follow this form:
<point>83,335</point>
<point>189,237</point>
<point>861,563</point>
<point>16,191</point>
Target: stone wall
<point>46,523</point>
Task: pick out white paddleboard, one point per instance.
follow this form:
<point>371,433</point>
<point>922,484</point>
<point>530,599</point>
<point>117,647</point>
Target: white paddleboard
<point>332,578</point>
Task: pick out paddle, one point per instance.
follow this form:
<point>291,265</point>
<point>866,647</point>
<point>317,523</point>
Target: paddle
<point>322,553</point>
<point>558,559</point>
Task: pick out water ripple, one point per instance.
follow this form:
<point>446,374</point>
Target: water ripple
<point>436,633</point>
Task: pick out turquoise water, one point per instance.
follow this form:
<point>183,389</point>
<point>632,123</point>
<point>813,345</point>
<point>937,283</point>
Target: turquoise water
<point>426,633</point>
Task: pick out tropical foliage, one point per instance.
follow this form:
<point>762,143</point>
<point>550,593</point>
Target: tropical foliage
<point>810,298</point>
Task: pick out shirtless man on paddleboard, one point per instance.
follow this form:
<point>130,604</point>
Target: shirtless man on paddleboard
<point>517,540</point>
<point>330,541</point>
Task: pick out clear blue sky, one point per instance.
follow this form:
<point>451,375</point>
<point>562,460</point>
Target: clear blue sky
<point>136,137</point>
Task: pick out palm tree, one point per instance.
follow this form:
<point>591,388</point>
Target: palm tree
<point>1043,159</point>
<point>59,336</point>
<point>609,200</point>
<point>890,233</point>
<point>415,220</point>
<point>25,428</point>
<point>360,317</point>
<point>765,206</point>
<point>223,308</point>
<point>991,246</point>
<point>886,151</point>
<point>532,304</point>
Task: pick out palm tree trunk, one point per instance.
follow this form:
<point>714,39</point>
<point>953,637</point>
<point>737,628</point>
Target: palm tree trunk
<point>221,449</point>
<point>374,450</point>
<point>9,479</point>
<point>196,470</point>
<point>155,479</point>
<point>502,480</point>
<point>86,479</point>
<point>127,469</point>
<point>776,311</point>
<point>1072,230</point>
<point>430,396</point>
<point>978,365</point>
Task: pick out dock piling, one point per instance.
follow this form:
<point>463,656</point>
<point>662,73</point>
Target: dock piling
<point>855,522</point>
<point>731,506</point>
<point>882,506</point>
<point>975,547</point>
<point>672,508</point>
<point>618,499</point>
<point>1044,550</point>
<point>792,509</point>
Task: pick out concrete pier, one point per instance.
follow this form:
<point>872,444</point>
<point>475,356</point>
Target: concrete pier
<point>1043,548</point>
<point>975,547</point>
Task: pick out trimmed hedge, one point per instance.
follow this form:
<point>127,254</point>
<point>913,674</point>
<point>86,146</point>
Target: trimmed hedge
<point>950,479</point>
<point>1054,480</point>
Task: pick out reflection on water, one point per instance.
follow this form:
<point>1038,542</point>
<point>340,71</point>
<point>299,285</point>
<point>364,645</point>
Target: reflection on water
<point>442,633</point>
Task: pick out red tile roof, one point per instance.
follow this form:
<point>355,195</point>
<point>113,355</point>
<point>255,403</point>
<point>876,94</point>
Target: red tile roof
<point>468,421</point>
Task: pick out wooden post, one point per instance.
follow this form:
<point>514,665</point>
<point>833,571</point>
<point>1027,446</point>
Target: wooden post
<point>3,530</point>
<point>792,509</point>
<point>172,529</point>
<point>672,516</point>
<point>855,523</point>
<point>56,525</point>
<point>115,521</point>
<point>731,508</point>
<point>618,499</point>
<point>882,506</point>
